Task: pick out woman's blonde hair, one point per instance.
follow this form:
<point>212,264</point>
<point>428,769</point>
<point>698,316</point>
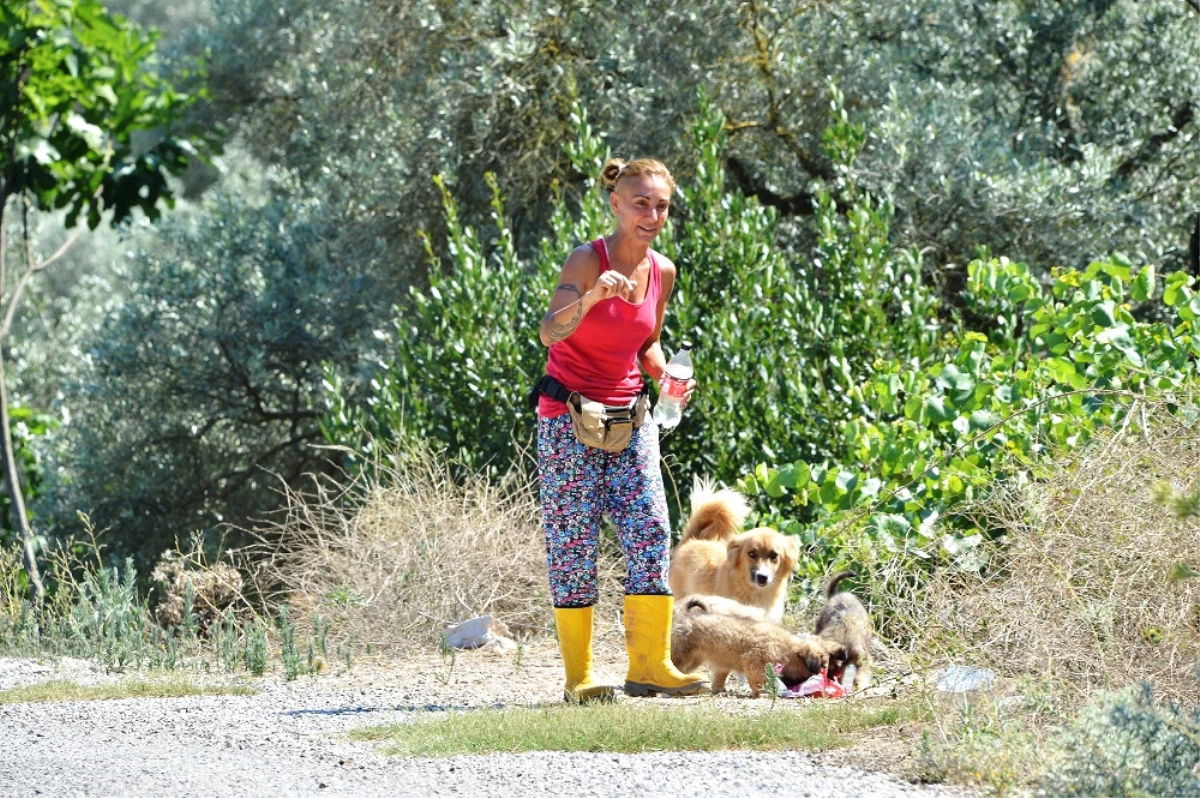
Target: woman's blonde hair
<point>615,169</point>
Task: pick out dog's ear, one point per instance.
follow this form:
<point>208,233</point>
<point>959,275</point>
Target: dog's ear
<point>814,660</point>
<point>791,550</point>
<point>815,655</point>
<point>733,550</point>
<point>838,655</point>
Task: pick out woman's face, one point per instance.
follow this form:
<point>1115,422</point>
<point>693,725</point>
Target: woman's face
<point>641,204</point>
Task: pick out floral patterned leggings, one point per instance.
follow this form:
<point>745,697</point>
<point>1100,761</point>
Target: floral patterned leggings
<point>578,485</point>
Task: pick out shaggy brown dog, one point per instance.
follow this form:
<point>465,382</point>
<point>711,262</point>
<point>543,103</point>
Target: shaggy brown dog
<point>707,631</point>
<point>713,559</point>
<point>844,620</point>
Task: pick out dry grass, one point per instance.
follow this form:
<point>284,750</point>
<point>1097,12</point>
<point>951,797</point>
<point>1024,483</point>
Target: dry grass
<point>393,556</point>
<point>1081,588</point>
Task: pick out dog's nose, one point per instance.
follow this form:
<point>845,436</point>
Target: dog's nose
<point>761,579</point>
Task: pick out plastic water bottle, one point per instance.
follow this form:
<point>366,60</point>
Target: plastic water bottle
<point>672,387</point>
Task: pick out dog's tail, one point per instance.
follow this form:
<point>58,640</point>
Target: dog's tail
<point>831,585</point>
<point>716,514</point>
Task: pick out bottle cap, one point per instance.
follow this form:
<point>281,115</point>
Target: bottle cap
<point>686,345</point>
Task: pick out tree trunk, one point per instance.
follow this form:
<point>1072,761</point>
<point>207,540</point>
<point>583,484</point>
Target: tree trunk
<point>1194,248</point>
<point>11,475</point>
<point>12,483</point>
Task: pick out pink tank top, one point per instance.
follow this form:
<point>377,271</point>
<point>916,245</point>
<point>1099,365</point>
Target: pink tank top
<point>599,359</point>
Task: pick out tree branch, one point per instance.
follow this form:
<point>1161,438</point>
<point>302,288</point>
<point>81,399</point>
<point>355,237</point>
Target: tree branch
<point>58,253</point>
<point>764,60</point>
<point>1182,117</point>
<point>803,204</point>
<point>3,254</point>
<point>737,127</point>
<point>31,268</point>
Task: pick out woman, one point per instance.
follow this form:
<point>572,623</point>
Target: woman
<point>605,318</point>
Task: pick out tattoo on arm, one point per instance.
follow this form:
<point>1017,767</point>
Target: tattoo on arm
<point>556,330</point>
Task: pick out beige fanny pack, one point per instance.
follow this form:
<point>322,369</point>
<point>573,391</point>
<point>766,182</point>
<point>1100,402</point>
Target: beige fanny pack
<point>606,427</point>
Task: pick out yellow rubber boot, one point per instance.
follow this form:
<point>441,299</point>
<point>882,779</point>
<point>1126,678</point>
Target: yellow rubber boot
<point>574,626</point>
<point>648,640</point>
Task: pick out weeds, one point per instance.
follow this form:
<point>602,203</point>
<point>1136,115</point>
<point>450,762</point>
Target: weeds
<point>449,658</point>
<point>1086,581</point>
<point>346,652</point>
<point>194,591</point>
<point>982,740</point>
<point>771,674</point>
<point>97,612</point>
<point>254,649</point>
<point>226,636</point>
<point>1120,744</point>
<point>293,663</point>
<point>318,647</point>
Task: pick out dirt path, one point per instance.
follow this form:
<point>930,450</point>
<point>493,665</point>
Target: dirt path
<point>289,739</point>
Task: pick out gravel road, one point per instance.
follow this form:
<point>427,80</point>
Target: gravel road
<point>289,740</point>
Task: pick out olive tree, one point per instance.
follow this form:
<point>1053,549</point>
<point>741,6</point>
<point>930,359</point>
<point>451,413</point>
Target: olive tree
<point>200,391</point>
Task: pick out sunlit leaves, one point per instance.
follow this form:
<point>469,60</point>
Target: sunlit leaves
<point>981,416</point>
<point>81,85</point>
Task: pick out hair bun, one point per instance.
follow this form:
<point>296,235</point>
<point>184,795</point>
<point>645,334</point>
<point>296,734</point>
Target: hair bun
<point>611,172</point>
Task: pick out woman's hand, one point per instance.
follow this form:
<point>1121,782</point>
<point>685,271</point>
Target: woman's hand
<point>687,394</point>
<point>611,284</point>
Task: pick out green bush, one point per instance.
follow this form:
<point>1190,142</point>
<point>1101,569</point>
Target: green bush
<point>467,355</point>
<point>781,345</point>
<point>1126,745</point>
<point>1065,361</point>
<point>97,612</point>
<point>223,326</point>
<point>467,352</point>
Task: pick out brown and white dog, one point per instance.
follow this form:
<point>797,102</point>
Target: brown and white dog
<point>844,621</point>
<point>713,558</point>
<point>727,637</point>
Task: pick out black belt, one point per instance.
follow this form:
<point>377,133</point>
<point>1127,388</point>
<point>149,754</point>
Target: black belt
<point>557,391</point>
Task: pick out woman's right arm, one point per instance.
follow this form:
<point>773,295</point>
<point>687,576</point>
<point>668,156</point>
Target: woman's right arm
<point>578,291</point>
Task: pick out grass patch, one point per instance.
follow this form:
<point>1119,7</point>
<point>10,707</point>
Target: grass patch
<point>625,728</point>
<point>66,690</point>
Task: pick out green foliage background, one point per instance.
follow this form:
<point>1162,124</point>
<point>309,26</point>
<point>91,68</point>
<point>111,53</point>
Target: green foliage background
<point>840,166</point>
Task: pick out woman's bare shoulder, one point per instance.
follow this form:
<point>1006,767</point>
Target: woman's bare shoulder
<point>583,260</point>
<point>664,263</point>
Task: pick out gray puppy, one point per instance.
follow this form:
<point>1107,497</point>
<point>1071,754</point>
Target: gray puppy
<point>844,620</point>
